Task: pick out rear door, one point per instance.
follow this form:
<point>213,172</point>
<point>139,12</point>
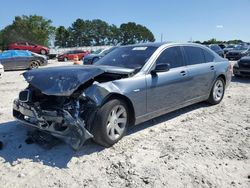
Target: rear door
<point>168,89</point>
<point>201,69</point>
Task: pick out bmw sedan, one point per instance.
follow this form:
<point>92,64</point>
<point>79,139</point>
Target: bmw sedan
<point>130,85</point>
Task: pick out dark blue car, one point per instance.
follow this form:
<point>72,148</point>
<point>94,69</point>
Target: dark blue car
<point>95,56</point>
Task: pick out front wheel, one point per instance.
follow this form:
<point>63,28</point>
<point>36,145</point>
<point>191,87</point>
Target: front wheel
<point>111,123</point>
<point>217,92</point>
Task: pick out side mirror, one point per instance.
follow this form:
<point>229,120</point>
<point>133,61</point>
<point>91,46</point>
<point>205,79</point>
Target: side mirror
<point>163,67</point>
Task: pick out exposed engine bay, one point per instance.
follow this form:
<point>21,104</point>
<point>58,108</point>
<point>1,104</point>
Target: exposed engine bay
<point>58,105</point>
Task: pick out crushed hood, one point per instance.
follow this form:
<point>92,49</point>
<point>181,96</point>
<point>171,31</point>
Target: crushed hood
<point>63,81</point>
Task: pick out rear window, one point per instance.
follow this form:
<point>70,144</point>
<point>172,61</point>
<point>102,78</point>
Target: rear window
<point>194,55</point>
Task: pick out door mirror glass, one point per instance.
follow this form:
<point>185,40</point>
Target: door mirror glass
<point>162,67</point>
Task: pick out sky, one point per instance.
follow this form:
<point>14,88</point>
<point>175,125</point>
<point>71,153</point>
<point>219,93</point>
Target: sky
<point>175,20</point>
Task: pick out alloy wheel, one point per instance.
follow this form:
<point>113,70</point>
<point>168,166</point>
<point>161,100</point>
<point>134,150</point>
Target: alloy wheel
<point>218,90</point>
<point>116,122</point>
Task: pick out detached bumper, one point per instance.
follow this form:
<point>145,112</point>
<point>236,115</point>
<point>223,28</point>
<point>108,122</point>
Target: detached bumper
<point>59,123</point>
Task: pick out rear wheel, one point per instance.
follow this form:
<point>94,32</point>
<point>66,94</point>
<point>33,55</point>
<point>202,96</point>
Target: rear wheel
<point>43,52</point>
<point>217,92</point>
<point>33,65</point>
<point>111,123</point>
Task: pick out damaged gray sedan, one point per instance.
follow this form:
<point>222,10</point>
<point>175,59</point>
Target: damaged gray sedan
<point>130,85</point>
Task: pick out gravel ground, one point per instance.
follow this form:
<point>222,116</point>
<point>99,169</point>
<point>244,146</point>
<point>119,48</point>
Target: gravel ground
<point>198,146</point>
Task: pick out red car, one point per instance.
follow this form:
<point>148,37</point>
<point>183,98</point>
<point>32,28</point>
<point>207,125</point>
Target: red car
<point>70,55</point>
<point>29,46</point>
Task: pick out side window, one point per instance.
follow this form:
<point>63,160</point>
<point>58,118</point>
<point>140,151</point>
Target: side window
<point>208,56</point>
<point>31,44</point>
<point>195,55</point>
<point>22,43</point>
<point>173,56</point>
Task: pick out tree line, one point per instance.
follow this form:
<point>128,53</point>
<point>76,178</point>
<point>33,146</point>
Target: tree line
<point>40,30</point>
<point>215,41</point>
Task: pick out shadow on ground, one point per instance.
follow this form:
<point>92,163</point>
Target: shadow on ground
<point>13,136</point>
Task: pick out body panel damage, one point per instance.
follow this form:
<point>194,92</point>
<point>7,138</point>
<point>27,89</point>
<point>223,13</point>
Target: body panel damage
<point>63,81</point>
<point>63,101</point>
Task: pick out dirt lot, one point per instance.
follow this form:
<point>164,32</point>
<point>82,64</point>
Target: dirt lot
<point>198,146</point>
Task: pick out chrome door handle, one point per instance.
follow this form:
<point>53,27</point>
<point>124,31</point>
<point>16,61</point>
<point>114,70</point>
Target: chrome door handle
<point>183,73</point>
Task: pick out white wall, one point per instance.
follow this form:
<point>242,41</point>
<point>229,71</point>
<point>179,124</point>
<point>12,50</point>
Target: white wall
<point>89,48</point>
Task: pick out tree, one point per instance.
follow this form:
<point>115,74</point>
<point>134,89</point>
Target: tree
<point>31,28</point>
<point>62,37</point>
<point>114,35</point>
<point>132,33</point>
<point>97,32</point>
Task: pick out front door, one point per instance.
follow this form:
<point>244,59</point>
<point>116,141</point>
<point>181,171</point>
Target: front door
<point>167,89</point>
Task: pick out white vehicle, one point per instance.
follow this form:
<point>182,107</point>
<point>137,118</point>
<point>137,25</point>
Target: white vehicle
<point>1,70</point>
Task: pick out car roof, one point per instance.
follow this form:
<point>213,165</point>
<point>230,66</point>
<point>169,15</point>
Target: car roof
<point>159,44</point>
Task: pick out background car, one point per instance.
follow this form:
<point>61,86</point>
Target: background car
<point>1,70</point>
<point>95,56</point>
<point>222,46</point>
<point>70,55</point>
<point>238,52</point>
<point>20,59</point>
<point>29,46</point>
<point>229,48</point>
<point>217,49</point>
<point>242,67</point>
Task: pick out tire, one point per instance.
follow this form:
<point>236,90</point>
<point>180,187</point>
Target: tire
<point>217,91</point>
<point>43,52</point>
<point>33,65</point>
<point>65,59</point>
<point>106,127</point>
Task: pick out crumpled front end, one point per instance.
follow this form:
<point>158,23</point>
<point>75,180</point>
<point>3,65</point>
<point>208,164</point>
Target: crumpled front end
<point>62,117</point>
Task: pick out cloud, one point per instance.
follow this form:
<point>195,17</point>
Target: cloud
<point>219,26</point>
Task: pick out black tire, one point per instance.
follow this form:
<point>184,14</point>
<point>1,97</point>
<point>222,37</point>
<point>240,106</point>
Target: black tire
<point>215,96</point>
<point>43,52</point>
<point>101,123</point>
<point>33,65</point>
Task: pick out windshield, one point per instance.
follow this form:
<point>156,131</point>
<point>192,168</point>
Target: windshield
<point>230,46</point>
<point>128,57</point>
<point>97,51</point>
<point>241,48</point>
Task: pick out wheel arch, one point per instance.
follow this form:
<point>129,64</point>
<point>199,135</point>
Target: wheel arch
<point>223,77</point>
<point>126,100</point>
